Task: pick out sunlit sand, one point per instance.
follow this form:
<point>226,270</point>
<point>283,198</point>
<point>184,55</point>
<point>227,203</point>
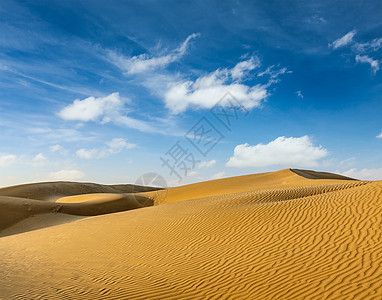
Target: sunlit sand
<point>290,234</point>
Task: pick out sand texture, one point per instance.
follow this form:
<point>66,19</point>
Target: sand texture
<point>291,234</point>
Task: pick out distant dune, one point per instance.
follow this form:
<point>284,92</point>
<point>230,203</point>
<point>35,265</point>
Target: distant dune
<point>51,191</point>
<point>65,200</point>
<point>291,234</point>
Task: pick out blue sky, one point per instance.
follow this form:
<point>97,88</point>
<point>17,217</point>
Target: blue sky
<point>106,91</point>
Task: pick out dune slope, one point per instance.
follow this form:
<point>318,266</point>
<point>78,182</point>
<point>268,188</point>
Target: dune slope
<point>296,238</point>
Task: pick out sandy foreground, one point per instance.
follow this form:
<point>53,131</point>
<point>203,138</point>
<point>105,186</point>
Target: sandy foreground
<point>290,234</point>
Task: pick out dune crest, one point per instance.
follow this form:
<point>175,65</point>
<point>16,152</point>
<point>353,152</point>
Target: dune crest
<point>319,175</point>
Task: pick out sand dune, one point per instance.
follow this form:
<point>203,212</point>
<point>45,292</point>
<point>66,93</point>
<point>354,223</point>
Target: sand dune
<point>51,191</point>
<point>290,234</point>
<point>19,203</point>
<point>255,182</point>
<point>14,210</point>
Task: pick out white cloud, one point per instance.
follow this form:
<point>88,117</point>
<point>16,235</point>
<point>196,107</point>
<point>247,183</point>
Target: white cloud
<point>292,151</point>
<point>56,148</point>
<point>88,153</point>
<point>114,146</point>
<point>273,73</point>
<point>373,45</point>
<point>316,19</point>
<point>145,63</point>
<point>192,173</point>
<point>345,40</point>
<point>39,160</point>
<point>91,108</point>
<point>104,109</point>
<point>66,175</point>
<point>82,91</point>
<point>218,175</point>
<point>3,67</point>
<point>379,136</point>
<point>179,93</point>
<point>57,134</point>
<point>206,90</point>
<point>364,174</point>
<point>374,64</point>
<point>299,94</point>
<point>347,161</point>
<point>183,47</point>
<point>362,50</point>
<point>7,160</point>
<point>206,164</point>
<point>242,68</point>
<point>118,144</point>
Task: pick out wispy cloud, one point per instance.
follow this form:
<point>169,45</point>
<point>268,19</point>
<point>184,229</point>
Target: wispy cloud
<point>364,174</point>
<point>347,161</point>
<point>373,45</point>
<point>39,160</point>
<point>192,174</point>
<point>379,136</point>
<point>54,135</point>
<point>362,51</point>
<point>286,151</point>
<point>58,148</point>
<point>299,94</point>
<point>218,175</point>
<point>273,73</point>
<point>242,68</point>
<point>206,164</point>
<point>316,19</point>
<point>144,62</point>
<point>35,161</point>
<point>113,147</point>
<point>7,160</point>
<point>76,90</point>
<point>88,153</point>
<point>374,64</point>
<point>66,175</point>
<point>116,145</point>
<point>343,41</point>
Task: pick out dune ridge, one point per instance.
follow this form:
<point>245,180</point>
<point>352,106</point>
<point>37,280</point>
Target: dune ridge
<point>319,175</point>
<point>276,235</point>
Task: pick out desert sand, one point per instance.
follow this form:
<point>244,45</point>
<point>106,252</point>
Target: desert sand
<point>290,234</point>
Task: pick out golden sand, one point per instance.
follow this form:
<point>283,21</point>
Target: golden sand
<point>289,234</point>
